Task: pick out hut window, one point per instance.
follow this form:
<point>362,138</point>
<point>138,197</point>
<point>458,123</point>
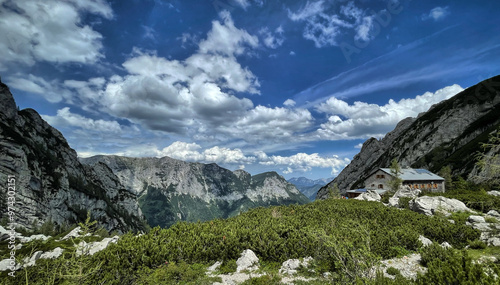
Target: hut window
<point>380,186</point>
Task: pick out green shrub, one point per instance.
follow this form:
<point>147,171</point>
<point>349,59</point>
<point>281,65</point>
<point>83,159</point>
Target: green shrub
<point>176,273</point>
<point>393,271</point>
<point>228,266</point>
<point>450,266</point>
<point>263,280</point>
<point>478,244</point>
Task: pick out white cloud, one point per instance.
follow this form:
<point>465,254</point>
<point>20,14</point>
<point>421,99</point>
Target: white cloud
<point>65,118</point>
<point>225,39</point>
<point>303,162</point>
<point>49,31</point>
<point>270,124</point>
<point>52,91</point>
<point>363,120</point>
<point>272,40</point>
<point>325,23</point>
<point>193,152</point>
<point>243,3</point>
<point>289,103</point>
<point>363,30</point>
<point>436,14</point>
<point>359,146</point>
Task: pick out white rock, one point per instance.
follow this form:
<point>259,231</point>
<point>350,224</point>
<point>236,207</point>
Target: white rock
<point>32,238</point>
<point>476,219</point>
<point>394,202</point>
<point>494,241</point>
<point>55,253</point>
<point>4,234</point>
<point>494,214</point>
<point>494,193</point>
<point>406,191</point>
<point>430,205</point>
<point>31,261</point>
<point>370,195</point>
<point>247,261</point>
<point>425,241</point>
<point>93,247</point>
<point>214,267</point>
<point>290,266</point>
<point>7,264</point>
<point>446,245</point>
<point>73,234</point>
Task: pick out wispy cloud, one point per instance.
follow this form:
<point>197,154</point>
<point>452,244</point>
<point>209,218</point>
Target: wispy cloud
<point>437,14</point>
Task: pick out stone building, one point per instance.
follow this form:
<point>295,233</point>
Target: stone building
<point>421,179</point>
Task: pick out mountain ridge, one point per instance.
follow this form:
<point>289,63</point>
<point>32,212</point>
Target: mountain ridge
<point>449,133</point>
<point>174,187</point>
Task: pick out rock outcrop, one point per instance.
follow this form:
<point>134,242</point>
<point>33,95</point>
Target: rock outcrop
<point>49,182</point>
<point>449,133</point>
<point>172,190</point>
<point>432,205</point>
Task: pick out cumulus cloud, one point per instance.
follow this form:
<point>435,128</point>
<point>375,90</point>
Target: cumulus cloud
<point>436,14</point>
<point>303,162</point>
<point>51,31</point>
<point>324,24</point>
<point>191,152</point>
<point>224,38</point>
<point>289,103</point>
<point>300,162</point>
<point>363,120</point>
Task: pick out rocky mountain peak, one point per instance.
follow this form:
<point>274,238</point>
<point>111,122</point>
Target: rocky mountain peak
<point>8,107</point>
<point>449,133</point>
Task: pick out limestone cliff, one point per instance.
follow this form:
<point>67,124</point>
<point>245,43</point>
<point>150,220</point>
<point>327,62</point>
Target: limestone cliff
<point>449,133</point>
<point>50,182</point>
<point>171,190</point>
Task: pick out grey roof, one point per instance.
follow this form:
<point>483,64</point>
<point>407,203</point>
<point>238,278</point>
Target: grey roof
<point>410,174</point>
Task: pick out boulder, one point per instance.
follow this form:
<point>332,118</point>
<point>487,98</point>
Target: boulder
<point>431,205</point>
<point>73,234</point>
<point>32,238</point>
<point>406,191</point>
<point>214,267</point>
<point>247,261</point>
<point>370,195</point>
<point>446,245</point>
<point>8,264</point>
<point>290,266</point>
<point>494,193</point>
<point>93,247</point>
<point>55,253</point>
<point>425,241</point>
<point>476,219</point>
<point>493,213</point>
<point>394,202</point>
<point>4,234</point>
<point>31,261</point>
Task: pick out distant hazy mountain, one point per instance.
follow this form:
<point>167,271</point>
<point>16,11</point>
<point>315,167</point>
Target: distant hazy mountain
<point>309,187</point>
<point>449,133</point>
<point>170,190</point>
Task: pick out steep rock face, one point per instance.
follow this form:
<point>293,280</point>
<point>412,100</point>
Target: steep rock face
<point>171,190</point>
<point>50,182</point>
<point>449,133</point>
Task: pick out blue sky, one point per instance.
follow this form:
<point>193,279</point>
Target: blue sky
<point>289,86</point>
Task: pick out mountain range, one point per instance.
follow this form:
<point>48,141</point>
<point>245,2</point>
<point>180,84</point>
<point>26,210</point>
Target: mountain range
<point>309,187</point>
<point>171,190</point>
<point>450,133</point>
<point>121,193</point>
